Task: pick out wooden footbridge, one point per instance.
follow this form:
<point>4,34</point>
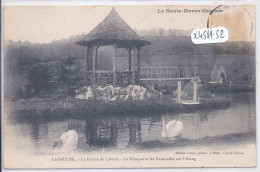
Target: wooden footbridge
<point>167,73</point>
<point>172,74</point>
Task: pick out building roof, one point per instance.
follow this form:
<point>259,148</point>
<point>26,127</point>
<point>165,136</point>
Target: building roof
<point>113,30</point>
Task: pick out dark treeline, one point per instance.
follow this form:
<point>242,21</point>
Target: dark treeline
<point>44,65</point>
<point>34,69</point>
<point>163,32</point>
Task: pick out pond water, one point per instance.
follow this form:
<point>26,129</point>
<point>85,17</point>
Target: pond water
<point>118,132</point>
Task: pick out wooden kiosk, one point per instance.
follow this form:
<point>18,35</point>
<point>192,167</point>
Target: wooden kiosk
<point>113,30</point>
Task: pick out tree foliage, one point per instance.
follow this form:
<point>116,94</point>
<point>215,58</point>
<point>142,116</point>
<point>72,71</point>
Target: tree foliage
<point>39,79</point>
<point>70,73</point>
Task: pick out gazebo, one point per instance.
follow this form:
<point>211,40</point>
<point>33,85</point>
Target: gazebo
<point>113,30</point>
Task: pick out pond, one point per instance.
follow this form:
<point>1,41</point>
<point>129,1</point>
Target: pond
<point>123,132</point>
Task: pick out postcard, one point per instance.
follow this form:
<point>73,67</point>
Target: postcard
<point>129,86</point>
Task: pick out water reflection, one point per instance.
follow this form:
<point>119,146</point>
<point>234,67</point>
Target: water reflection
<point>134,126</point>
<point>35,130</point>
<point>204,116</point>
<point>102,132</point>
<point>120,132</point>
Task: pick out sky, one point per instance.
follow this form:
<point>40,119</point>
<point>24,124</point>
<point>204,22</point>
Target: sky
<point>43,24</point>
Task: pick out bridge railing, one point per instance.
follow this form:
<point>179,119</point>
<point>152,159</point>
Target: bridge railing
<point>167,73</point>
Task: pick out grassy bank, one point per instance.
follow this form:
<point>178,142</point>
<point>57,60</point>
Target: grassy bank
<point>229,139</point>
<point>226,87</point>
<point>55,106</point>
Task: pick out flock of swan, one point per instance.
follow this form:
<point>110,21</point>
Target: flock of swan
<point>68,141</point>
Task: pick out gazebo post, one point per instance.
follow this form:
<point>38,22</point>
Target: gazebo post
<point>86,66</point>
<point>94,66</point>
<point>114,65</point>
<point>138,64</point>
<point>129,63</point>
<point>96,58</point>
<point>133,82</point>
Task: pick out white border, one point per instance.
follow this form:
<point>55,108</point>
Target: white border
<point>159,2</point>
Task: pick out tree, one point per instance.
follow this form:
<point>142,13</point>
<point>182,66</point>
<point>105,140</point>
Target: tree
<point>70,73</point>
<point>161,31</point>
<point>39,78</point>
<point>170,32</point>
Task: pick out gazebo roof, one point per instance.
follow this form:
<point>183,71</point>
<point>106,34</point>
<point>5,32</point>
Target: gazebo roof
<point>113,30</point>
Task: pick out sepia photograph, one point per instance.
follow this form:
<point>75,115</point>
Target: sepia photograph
<point>129,86</point>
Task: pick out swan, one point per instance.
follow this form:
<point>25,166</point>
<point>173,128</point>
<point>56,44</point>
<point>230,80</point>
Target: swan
<point>172,129</point>
<point>67,142</point>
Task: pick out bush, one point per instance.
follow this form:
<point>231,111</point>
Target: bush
<point>39,80</point>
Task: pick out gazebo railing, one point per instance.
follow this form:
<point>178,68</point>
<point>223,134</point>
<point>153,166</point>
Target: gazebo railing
<point>167,73</point>
<point>106,77</point>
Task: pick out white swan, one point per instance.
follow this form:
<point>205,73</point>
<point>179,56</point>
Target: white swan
<point>68,141</point>
<point>172,129</point>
